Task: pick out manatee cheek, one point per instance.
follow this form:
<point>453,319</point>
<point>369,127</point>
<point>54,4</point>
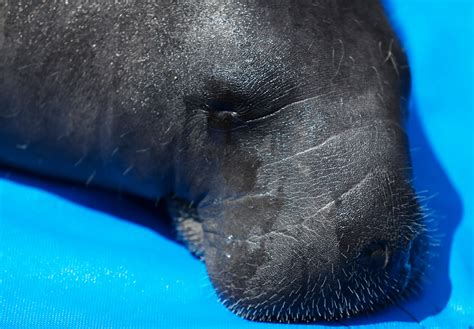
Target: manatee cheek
<point>239,172</point>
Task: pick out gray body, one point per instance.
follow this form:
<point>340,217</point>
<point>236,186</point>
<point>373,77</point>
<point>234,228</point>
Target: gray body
<point>273,129</point>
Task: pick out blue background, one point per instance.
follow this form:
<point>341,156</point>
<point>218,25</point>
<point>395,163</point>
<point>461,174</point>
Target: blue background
<point>71,257</point>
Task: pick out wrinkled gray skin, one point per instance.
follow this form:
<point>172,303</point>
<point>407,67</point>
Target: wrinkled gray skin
<point>274,130</point>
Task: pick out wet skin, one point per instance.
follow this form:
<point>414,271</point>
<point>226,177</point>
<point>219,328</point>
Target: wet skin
<point>273,130</point>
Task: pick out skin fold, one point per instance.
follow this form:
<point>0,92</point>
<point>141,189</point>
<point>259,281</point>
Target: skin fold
<point>273,130</point>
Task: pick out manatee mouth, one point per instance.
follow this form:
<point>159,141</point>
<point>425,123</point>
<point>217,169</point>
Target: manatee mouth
<point>187,224</point>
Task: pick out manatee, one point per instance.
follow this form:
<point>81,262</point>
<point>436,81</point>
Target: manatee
<point>273,131</point>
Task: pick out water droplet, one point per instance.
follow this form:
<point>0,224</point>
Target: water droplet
<point>229,239</point>
<point>227,255</point>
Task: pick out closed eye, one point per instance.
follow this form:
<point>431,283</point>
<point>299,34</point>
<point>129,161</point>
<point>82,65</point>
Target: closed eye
<point>230,106</point>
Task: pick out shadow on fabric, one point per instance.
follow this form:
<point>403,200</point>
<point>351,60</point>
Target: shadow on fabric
<point>122,206</point>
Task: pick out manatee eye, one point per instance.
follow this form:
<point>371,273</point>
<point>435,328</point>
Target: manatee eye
<point>231,105</point>
<point>223,115</point>
<point>222,120</point>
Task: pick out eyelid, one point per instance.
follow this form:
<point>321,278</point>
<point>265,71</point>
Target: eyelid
<point>239,105</point>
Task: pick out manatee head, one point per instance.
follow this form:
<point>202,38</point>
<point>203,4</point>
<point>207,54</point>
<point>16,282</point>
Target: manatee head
<point>277,126</point>
<point>295,159</point>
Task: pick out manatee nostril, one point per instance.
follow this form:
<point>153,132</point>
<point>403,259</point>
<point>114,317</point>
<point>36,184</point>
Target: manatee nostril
<point>376,255</point>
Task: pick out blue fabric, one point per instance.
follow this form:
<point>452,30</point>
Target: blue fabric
<point>71,257</point>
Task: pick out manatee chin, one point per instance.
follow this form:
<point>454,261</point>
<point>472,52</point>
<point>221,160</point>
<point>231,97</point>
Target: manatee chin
<point>333,265</point>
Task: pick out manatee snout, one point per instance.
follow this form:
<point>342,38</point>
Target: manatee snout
<point>312,243</point>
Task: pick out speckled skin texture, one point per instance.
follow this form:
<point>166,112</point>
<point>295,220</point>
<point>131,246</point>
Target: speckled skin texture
<point>274,129</point>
